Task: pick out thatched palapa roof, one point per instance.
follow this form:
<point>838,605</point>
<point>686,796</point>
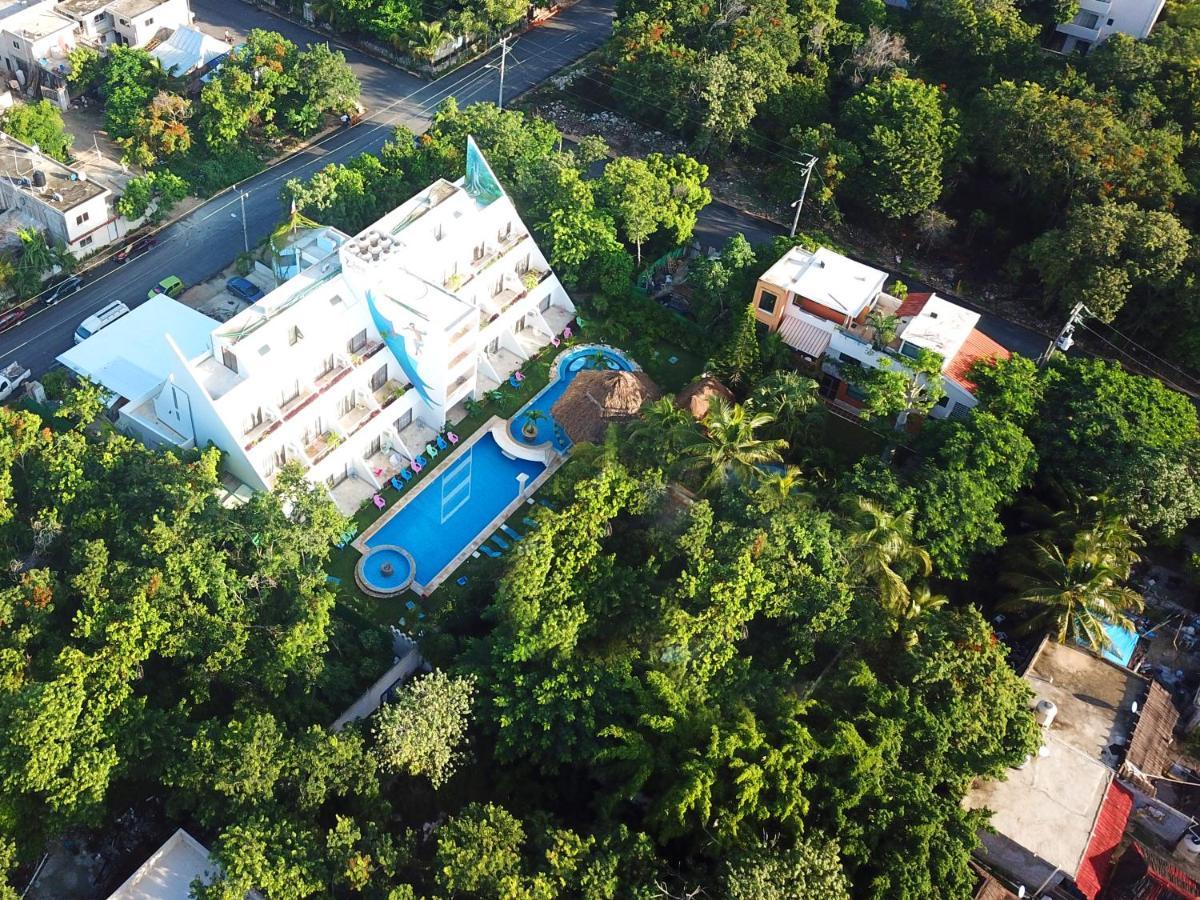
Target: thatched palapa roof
<point>697,396</point>
<point>594,399</point>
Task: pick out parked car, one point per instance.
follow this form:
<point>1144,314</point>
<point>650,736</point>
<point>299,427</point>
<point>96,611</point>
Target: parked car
<point>12,376</point>
<point>171,286</point>
<point>63,289</point>
<point>244,288</point>
<point>10,318</point>
<point>137,248</point>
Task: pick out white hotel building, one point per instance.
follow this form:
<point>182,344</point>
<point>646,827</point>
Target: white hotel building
<point>354,364</point>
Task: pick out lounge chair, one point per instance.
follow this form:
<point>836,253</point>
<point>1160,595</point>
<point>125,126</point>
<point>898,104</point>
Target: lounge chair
<point>441,443</point>
<point>406,475</point>
<point>379,502</point>
<point>397,483</point>
<point>489,551</point>
<point>511,533</point>
<point>420,462</point>
<point>452,437</point>
<point>499,542</point>
<point>513,381</point>
<point>332,579</point>
<point>532,523</point>
<point>431,450</point>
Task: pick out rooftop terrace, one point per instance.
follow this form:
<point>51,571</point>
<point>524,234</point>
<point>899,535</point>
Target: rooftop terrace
<point>65,187</point>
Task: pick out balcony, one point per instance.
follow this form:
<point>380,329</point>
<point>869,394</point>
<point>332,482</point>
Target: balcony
<point>365,352</point>
<point>356,417</point>
<point>321,446</point>
<point>391,391</point>
<point>260,432</point>
<point>328,379</point>
<point>297,403</point>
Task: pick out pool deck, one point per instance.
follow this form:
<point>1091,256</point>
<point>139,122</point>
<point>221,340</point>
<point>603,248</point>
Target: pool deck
<point>554,461</point>
<point>360,543</point>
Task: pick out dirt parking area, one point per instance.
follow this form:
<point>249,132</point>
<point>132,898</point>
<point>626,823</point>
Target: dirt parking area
<point>211,298</point>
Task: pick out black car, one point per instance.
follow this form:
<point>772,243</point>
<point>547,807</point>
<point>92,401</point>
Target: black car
<point>141,245</point>
<point>63,289</point>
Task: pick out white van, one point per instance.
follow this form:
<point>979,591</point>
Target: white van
<point>103,318</point>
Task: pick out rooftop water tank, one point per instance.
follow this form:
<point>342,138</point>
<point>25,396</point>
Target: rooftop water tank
<point>39,178</point>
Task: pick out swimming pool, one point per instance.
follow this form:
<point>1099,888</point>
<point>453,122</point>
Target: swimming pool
<point>450,511</point>
<point>591,356</point>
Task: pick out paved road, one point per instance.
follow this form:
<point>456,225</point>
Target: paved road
<point>204,242</point>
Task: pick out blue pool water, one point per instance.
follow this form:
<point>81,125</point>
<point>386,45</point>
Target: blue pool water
<point>450,511</point>
<point>568,367</point>
<point>370,569</point>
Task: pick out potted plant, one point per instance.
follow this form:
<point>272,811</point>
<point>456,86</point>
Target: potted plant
<point>454,282</point>
<point>529,428</point>
<point>530,279</point>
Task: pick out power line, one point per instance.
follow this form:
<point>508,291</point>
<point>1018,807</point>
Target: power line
<point>1165,362</point>
<point>1137,362</point>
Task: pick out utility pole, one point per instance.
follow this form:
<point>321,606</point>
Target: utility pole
<point>503,58</point>
<point>1065,337</point>
<point>799,204</point>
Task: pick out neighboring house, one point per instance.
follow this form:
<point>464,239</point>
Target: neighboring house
<point>168,874</point>
<point>133,23</point>
<point>823,305</point>
<point>1059,817</point>
<point>34,42</point>
<point>1097,19</point>
<point>188,50</point>
<point>62,201</point>
<point>354,364</point>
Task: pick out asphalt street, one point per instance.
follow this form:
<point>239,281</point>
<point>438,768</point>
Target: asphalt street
<point>208,238</point>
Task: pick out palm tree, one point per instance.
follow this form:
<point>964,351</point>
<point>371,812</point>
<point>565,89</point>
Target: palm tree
<point>728,445</point>
<point>920,603</point>
<point>425,40</point>
<point>880,542</point>
<point>777,488</point>
<point>1074,594</point>
<point>662,430</point>
<point>790,397</point>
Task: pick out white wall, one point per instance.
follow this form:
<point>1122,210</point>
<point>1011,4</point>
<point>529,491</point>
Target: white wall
<point>138,30</point>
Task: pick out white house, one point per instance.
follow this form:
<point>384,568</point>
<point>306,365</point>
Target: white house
<point>62,201</point>
<point>353,365</point>
<point>825,307</point>
<point>1097,19</point>
<point>169,872</point>
<point>133,23</point>
<point>34,42</point>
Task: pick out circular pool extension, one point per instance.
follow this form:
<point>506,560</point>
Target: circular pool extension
<point>385,571</point>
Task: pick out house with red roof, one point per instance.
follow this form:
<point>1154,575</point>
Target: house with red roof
<point>834,312</point>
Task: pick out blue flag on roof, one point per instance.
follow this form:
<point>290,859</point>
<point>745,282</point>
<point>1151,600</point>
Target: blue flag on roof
<point>480,181</point>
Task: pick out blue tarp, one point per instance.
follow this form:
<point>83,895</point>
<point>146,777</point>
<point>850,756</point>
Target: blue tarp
<point>1123,644</point>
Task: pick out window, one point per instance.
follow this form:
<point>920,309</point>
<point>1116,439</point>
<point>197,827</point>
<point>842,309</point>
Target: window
<point>86,242</point>
<point>326,366</point>
<point>1086,19</point>
<point>339,476</point>
<point>289,393</point>
<point>98,17</point>
<point>438,233</point>
<point>373,447</point>
<point>149,22</point>
<point>314,431</point>
<point>358,341</point>
<point>17,44</point>
<point>280,458</point>
<point>545,304</point>
<point>403,422</point>
<point>854,393</point>
<point>499,285</point>
<point>523,265</point>
<point>346,404</point>
<point>945,399</point>
<point>477,254</point>
<point>294,336</point>
<point>847,358</point>
<point>912,351</point>
<point>253,421</point>
<point>81,218</point>
<point>228,359</point>
<point>379,379</point>
<point>505,233</point>
<point>766,302</point>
